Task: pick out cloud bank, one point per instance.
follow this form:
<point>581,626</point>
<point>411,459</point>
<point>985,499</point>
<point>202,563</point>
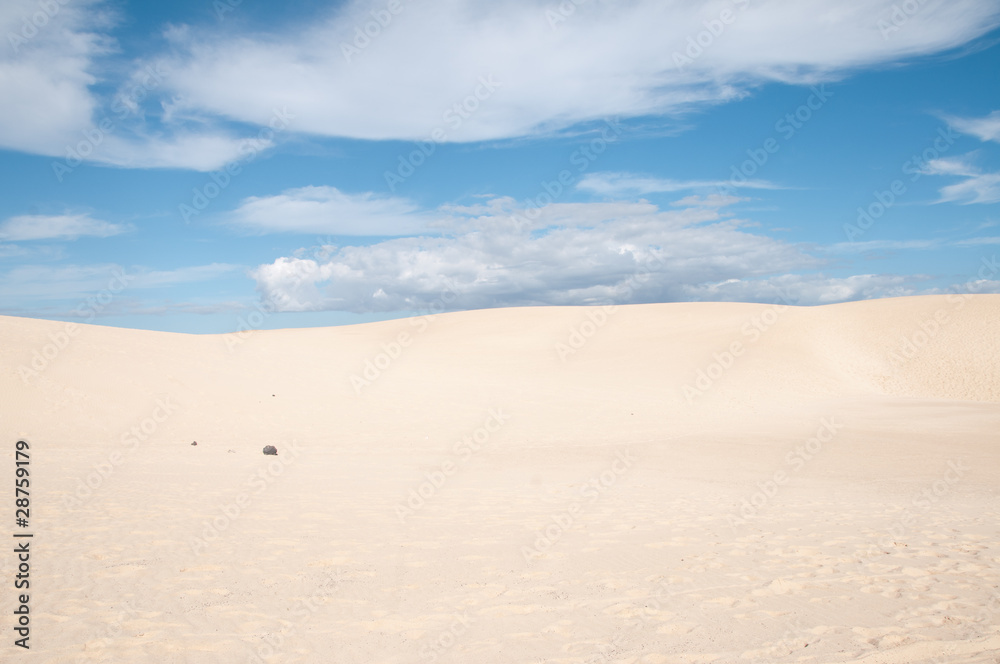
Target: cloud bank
<point>496,254</point>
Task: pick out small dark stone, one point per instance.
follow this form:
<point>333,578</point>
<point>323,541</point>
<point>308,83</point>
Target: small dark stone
<point>195,442</point>
<point>270,449</point>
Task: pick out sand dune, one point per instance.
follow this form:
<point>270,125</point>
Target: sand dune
<point>703,482</point>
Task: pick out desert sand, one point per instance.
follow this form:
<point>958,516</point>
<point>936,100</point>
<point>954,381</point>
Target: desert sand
<point>665,483</point>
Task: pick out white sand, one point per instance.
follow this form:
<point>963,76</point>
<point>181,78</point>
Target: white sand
<point>613,516</point>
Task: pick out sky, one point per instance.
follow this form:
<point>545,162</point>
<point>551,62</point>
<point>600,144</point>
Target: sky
<point>219,165</point>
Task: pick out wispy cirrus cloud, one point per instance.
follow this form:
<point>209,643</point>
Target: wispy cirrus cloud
<point>977,186</point>
<point>327,210</point>
<point>606,59</point>
<point>985,128</point>
<point>75,282</point>
<point>630,184</point>
<point>56,227</point>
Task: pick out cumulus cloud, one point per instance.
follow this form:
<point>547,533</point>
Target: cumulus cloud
<point>56,227</point>
<point>327,210</point>
<point>504,256</point>
<point>478,71</point>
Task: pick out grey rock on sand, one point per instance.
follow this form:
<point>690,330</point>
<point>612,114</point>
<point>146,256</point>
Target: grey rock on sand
<point>270,449</point>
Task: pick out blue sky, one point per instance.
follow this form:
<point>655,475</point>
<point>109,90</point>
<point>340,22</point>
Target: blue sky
<point>209,166</point>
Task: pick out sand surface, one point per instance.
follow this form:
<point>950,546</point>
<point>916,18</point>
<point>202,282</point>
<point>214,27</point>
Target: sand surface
<point>675,483</point>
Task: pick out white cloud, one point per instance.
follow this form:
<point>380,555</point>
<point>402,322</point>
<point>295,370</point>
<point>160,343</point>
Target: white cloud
<point>327,210</point>
<point>472,71</point>
<point>974,286</point>
<point>985,129</point>
<point>629,184</point>
<point>980,188</point>
<point>45,72</point>
<point>48,73</point>
<point>206,151</point>
<point>976,241</point>
<point>711,200</point>
<point>56,227</point>
<point>605,59</point>
<point>879,245</point>
<point>977,187</point>
<point>568,254</point>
